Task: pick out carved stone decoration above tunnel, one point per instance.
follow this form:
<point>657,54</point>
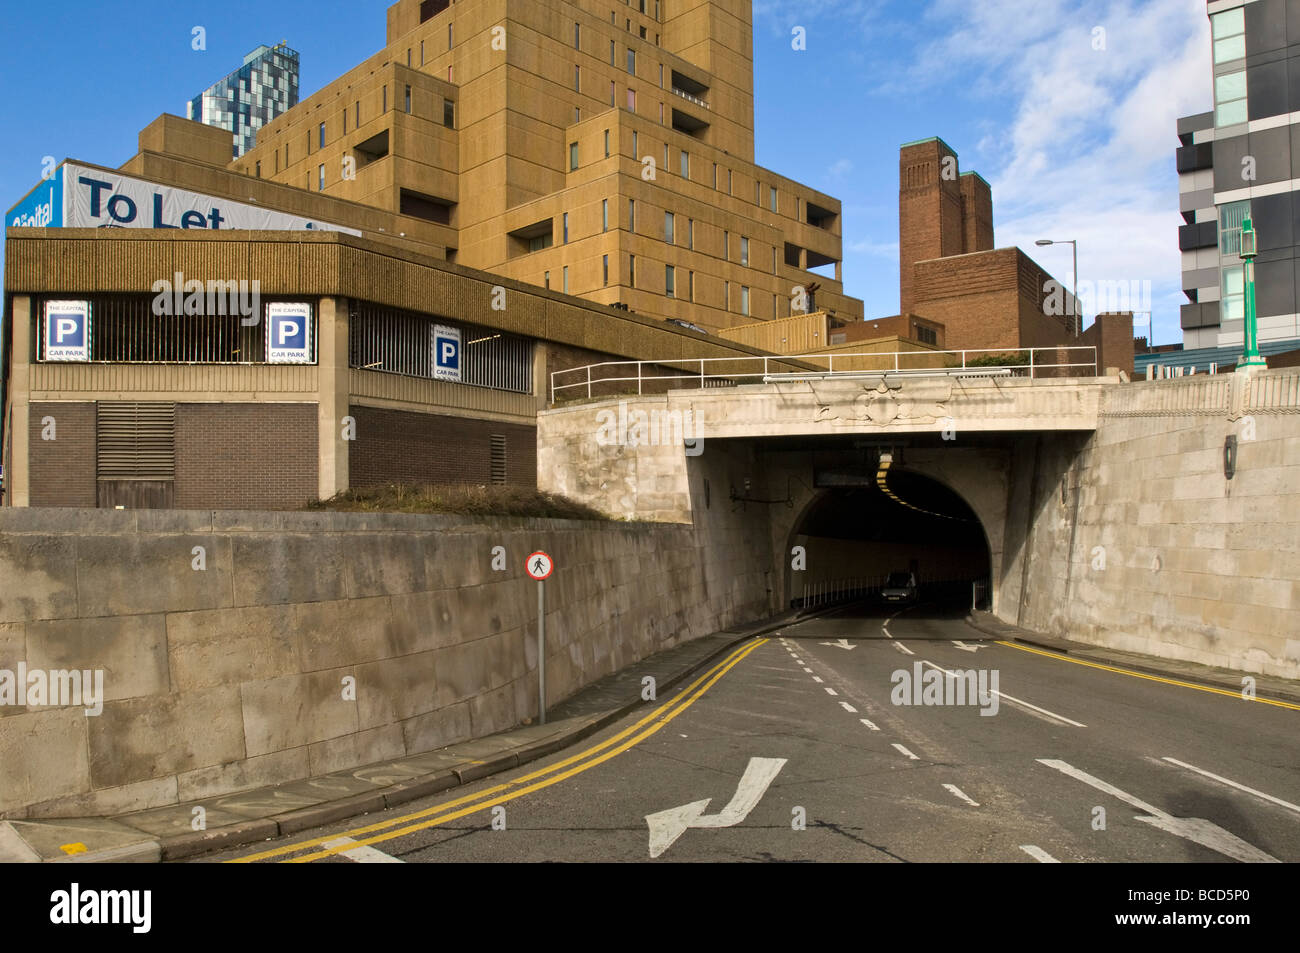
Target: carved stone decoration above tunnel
<point>883,403</point>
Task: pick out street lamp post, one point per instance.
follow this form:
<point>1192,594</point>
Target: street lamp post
<point>1250,356</point>
<point>1074,251</point>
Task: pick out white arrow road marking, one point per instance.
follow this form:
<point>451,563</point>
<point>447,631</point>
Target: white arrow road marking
<point>957,793</point>
<point>841,644</point>
<point>1014,700</point>
<point>1040,855</point>
<point>902,648</point>
<point>902,750</point>
<point>667,826</point>
<point>1233,784</point>
<point>362,855</point>
<point>868,724</point>
<point>967,648</point>
<point>1195,829</point>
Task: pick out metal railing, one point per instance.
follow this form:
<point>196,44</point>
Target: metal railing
<point>776,368</point>
<point>691,98</point>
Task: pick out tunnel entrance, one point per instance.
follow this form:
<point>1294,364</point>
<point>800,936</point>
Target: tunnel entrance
<point>891,537</point>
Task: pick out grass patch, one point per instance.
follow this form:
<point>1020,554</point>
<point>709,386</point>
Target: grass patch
<point>463,499</point>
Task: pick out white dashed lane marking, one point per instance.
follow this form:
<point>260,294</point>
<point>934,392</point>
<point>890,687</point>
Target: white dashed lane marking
<point>904,751</point>
<point>831,691</point>
<point>868,724</point>
<point>1040,855</point>
<point>847,707</point>
<point>960,795</point>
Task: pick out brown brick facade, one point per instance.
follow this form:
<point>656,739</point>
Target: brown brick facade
<point>62,470</point>
<point>398,446</point>
<point>245,456</point>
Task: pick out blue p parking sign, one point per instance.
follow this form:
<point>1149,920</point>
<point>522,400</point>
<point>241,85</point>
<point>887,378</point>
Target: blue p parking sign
<point>67,331</point>
<point>288,333</point>
<point>446,353</point>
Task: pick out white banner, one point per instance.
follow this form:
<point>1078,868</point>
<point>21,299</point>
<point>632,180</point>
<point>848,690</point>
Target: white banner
<point>97,199</point>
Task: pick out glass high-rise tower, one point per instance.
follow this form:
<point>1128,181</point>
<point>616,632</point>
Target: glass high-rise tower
<point>250,97</point>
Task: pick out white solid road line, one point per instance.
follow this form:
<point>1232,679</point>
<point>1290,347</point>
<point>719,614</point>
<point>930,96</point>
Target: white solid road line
<point>1040,855</point>
<point>903,750</point>
<point>847,707</point>
<point>868,724</point>
<point>901,647</point>
<point>829,690</point>
<point>1233,784</point>
<point>957,792</point>
<point>1195,829</point>
<point>362,855</point>
<point>1013,699</point>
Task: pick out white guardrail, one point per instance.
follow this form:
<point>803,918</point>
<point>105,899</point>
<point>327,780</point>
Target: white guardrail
<point>1021,362</point>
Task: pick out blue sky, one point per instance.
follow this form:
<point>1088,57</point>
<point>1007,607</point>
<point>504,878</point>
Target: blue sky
<point>1074,128</point>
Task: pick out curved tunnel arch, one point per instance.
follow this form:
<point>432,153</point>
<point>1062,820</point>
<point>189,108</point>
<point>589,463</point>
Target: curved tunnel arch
<point>920,523</point>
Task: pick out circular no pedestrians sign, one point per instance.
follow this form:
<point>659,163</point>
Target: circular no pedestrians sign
<point>539,565</point>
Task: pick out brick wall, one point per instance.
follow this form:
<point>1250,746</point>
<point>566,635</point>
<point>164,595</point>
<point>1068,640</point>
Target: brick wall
<point>245,456</point>
<point>398,446</point>
<point>61,472</point>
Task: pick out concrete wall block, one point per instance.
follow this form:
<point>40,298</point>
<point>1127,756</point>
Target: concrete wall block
<point>13,649</point>
<point>423,621</point>
<point>43,753</point>
<point>365,747</point>
<point>131,651</point>
<point>38,577</point>
<point>242,775</point>
<point>463,559</point>
<point>389,564</point>
<point>349,632</point>
<point>140,796</point>
<point>231,646</point>
<point>437,729</point>
<point>298,709</point>
<point>274,568</point>
<point>123,575</point>
<point>493,711</point>
<point>152,737</point>
<point>396,689</point>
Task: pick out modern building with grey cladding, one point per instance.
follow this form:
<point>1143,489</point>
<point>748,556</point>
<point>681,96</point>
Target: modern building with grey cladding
<point>250,97</point>
<point>1243,158</point>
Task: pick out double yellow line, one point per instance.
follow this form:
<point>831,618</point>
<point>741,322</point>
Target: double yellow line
<point>527,784</point>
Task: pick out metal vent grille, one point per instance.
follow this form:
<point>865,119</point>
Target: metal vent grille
<point>498,447</point>
<point>136,440</point>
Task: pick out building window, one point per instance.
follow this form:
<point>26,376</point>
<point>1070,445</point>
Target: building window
<point>744,250</point>
<point>450,74</point>
<point>744,300</point>
<point>321,180</point>
<point>1230,98</point>
<point>715,175</point>
<point>670,281</point>
<point>668,227</point>
<point>631,61</point>
<point>1231,216</point>
<point>322,135</point>
<point>726,295</point>
<point>772,198</point>
<point>631,270</point>
<point>1233,297</point>
<point>577,79</point>
<point>408,99</point>
<point>613,101</point>
<point>422,52</point>
<point>573,156</point>
<point>385,97</point>
<point>631,215</point>
<point>1229,29</point>
<point>546,280</point>
<point>690,282</point>
<point>690,234</point>
<point>539,242</point>
<point>577,114</point>
<point>357,121</point>
<point>604,215</point>
<point>926,335</point>
<point>450,36</point>
<point>259,167</point>
<point>566,279</point>
<point>729,182</point>
<point>345,122</point>
<point>774,259</point>
<point>577,36</point>
<point>726,246</point>
<point>661,75</point>
<point>449,114</point>
<point>686,164</point>
<point>613,61</point>
<point>604,269</point>
<point>634,147</point>
<point>631,100</point>
<point>566,228</point>
<point>408,57</point>
<point>606,143</point>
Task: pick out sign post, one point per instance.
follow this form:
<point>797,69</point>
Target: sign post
<point>539,566</point>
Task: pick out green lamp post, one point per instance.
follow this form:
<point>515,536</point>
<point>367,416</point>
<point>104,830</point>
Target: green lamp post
<point>1250,356</point>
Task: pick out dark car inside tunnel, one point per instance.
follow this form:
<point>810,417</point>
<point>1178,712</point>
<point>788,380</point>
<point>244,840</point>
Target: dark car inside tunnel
<point>890,536</point>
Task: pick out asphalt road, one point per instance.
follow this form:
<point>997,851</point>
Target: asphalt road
<point>793,748</point>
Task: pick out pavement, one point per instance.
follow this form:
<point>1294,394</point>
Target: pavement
<point>251,817</point>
